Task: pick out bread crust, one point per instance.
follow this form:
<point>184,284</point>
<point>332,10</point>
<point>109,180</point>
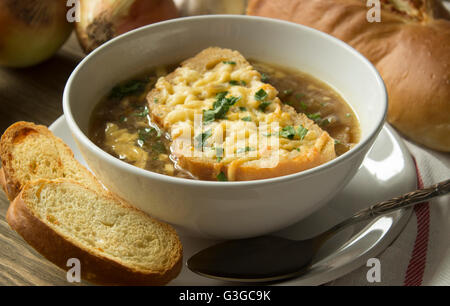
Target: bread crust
<point>17,133</point>
<point>413,56</point>
<point>207,169</point>
<point>94,267</point>
<point>3,182</point>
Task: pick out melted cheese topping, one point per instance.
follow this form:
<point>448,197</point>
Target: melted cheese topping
<point>249,131</point>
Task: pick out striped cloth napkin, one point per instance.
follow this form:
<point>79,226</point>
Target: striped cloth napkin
<point>421,253</point>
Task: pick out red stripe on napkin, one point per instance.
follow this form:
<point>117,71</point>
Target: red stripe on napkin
<point>416,266</point>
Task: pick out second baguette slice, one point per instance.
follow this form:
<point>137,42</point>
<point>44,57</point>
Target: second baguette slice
<point>115,243</point>
<point>30,152</point>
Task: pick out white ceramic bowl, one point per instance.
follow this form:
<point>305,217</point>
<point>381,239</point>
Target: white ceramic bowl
<point>227,209</point>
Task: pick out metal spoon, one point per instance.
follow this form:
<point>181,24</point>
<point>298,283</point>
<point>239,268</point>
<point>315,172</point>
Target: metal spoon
<point>271,258</point>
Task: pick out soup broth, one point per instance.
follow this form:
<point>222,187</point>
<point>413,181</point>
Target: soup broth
<point>121,124</point>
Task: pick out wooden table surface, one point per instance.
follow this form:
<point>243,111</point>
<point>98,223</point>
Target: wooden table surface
<point>32,94</point>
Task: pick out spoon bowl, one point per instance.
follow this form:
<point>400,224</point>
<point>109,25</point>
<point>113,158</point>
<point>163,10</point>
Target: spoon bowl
<point>271,258</point>
<point>242,259</point>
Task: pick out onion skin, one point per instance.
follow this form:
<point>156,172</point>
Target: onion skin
<point>31,31</point>
<point>102,20</point>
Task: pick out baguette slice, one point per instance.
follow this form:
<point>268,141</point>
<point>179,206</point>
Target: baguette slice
<point>115,243</point>
<point>29,152</point>
<point>228,145</point>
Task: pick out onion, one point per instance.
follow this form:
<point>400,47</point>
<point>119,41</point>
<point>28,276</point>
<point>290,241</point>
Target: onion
<point>31,31</point>
<point>203,7</point>
<point>101,20</point>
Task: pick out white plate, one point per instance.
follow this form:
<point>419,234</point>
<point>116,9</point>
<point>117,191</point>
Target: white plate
<point>387,171</point>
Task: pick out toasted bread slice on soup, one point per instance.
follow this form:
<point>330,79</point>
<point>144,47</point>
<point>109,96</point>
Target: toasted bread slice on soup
<point>29,152</point>
<point>225,123</point>
<point>64,212</point>
<point>115,243</point>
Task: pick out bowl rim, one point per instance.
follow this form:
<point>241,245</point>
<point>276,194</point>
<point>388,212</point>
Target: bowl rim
<point>361,145</point>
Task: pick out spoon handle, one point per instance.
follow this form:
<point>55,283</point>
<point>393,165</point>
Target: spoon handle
<point>404,201</point>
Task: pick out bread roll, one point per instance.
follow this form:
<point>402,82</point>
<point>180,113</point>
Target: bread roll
<point>410,47</point>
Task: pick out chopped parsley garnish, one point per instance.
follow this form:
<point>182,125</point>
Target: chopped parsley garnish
<point>242,109</point>
<point>336,142</point>
<point>123,119</point>
<point>159,147</point>
<point>290,132</point>
<point>264,105</point>
<point>244,150</point>
<point>200,139</point>
<point>144,134</point>
<point>221,95</point>
<point>155,100</point>
<point>133,87</point>
<point>264,77</point>
<point>219,154</point>
<point>229,62</point>
<point>301,132</point>
<point>235,83</point>
<point>315,117</point>
<point>209,116</point>
<point>287,92</point>
<point>303,105</point>
<point>298,149</point>
<point>299,95</point>
<point>143,113</point>
<point>220,107</point>
<point>221,177</point>
<point>261,95</point>
<point>348,115</point>
<point>247,118</point>
<point>325,122</point>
